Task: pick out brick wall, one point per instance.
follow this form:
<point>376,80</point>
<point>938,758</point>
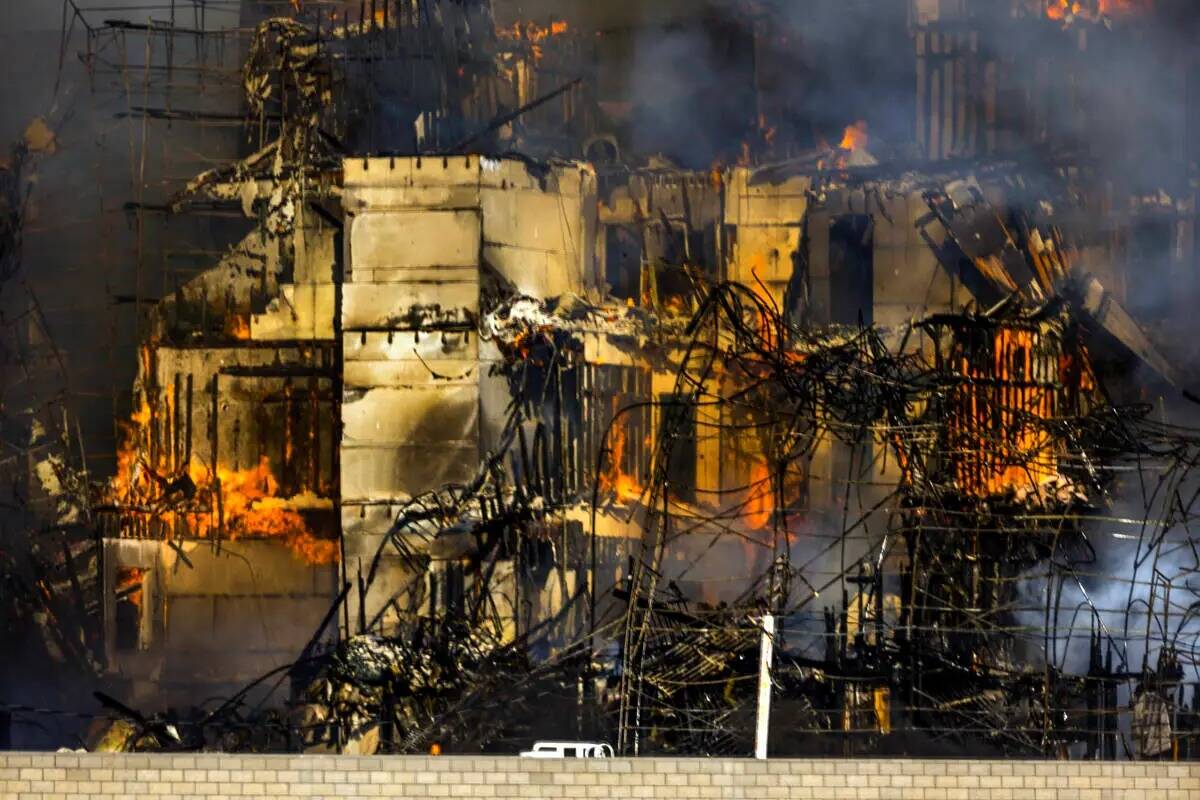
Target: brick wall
<point>32,776</point>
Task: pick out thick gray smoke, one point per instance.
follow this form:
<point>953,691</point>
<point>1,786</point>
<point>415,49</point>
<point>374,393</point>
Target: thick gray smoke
<point>1133,588</point>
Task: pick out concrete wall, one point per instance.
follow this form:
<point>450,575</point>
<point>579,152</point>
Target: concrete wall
<point>769,220</point>
<point>42,777</point>
<point>215,622</point>
<point>424,237</point>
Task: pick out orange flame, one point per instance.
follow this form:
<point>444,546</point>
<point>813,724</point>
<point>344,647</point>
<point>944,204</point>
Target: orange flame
<point>760,505</point>
<point>243,503</point>
<point>855,137</point>
<point>130,444</point>
<point>239,326</point>
<point>1059,10</point>
<point>129,584</point>
<point>533,33</point>
<point>253,509</point>
<point>999,442</point>
<point>614,478</point>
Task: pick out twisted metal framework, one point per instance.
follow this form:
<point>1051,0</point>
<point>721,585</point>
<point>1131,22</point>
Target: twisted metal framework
<point>971,586</point>
<point>1005,563</point>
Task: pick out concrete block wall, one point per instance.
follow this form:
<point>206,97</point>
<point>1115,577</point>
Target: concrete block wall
<point>68,776</point>
<point>410,400</point>
<point>420,237</point>
<point>769,221</point>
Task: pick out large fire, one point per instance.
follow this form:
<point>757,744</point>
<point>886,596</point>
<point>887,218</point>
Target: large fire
<point>1001,439</point>
<point>232,504</point>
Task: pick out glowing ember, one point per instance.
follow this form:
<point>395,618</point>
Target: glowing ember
<point>716,174</point>
<point>767,130</point>
<point>1119,8</point>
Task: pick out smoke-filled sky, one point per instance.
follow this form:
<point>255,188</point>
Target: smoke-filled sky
<point>79,250</point>
<point>687,68</point>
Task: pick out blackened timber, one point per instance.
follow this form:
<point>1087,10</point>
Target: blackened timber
<point>240,371</point>
<point>325,214</point>
<point>1106,311</point>
<point>311,647</point>
<point>215,208</point>
<point>73,576</point>
<point>126,25</point>
<point>185,115</point>
<point>174,545</point>
<point>499,122</point>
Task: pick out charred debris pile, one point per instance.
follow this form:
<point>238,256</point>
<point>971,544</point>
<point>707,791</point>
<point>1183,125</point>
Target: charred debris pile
<point>511,412</point>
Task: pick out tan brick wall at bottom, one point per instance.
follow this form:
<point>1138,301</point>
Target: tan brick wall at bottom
<point>70,776</point>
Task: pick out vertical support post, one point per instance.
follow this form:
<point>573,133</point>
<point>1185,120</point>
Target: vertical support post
<point>766,655</point>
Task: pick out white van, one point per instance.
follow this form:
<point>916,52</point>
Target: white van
<point>569,750</point>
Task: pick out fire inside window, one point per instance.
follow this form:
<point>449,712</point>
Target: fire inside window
<point>1013,380</point>
<point>130,597</point>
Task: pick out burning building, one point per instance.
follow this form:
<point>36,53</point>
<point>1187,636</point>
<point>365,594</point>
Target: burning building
<point>529,366</point>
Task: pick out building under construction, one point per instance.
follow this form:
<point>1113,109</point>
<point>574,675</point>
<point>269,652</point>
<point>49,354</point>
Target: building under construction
<point>412,375</point>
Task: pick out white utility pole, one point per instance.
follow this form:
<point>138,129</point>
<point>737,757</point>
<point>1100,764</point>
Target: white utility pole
<point>766,654</point>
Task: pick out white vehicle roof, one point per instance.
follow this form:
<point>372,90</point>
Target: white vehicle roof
<point>578,749</point>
